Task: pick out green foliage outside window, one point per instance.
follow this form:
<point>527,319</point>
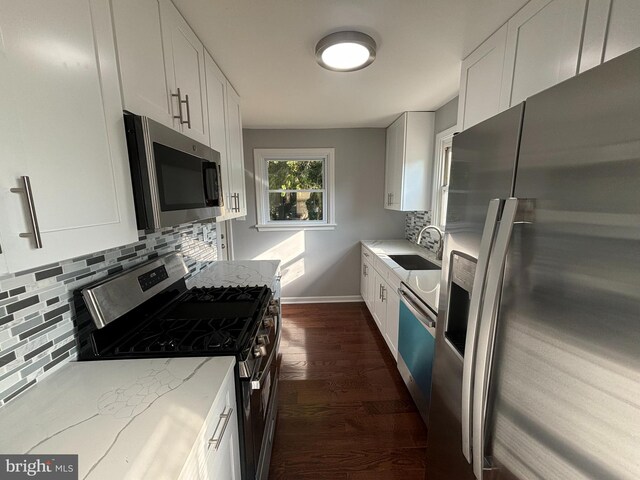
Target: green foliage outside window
<point>287,176</point>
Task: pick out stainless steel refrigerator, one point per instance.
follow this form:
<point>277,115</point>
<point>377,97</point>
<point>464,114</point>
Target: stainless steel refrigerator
<point>537,358</point>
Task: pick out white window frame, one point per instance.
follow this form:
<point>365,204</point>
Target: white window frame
<point>262,155</point>
<point>444,139</point>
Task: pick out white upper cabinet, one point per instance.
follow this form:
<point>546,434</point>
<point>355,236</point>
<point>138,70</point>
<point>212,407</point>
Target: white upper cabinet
<point>216,98</point>
<point>612,28</point>
<point>61,127</point>
<point>543,48</point>
<point>185,67</point>
<point>481,81</point>
<point>141,59</point>
<point>225,132</point>
<point>409,162</point>
<point>236,193</point>
<point>162,66</point>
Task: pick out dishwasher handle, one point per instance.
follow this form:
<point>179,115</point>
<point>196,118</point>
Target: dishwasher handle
<point>425,316</point>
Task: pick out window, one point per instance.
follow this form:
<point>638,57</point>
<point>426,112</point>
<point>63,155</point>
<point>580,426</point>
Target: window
<point>295,188</point>
<point>441,178</point>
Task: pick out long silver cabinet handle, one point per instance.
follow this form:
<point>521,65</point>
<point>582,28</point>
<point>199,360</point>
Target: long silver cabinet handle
<point>180,101</point>
<point>26,189</point>
<point>425,317</point>
<point>216,441</point>
<point>188,122</point>
<point>486,335</point>
<point>488,235</point>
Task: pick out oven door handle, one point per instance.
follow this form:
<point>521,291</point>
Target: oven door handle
<point>256,383</point>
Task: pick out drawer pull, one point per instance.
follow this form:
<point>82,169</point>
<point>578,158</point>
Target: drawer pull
<point>216,441</point>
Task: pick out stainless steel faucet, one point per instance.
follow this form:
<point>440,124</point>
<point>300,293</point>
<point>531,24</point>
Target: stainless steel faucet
<point>440,239</point>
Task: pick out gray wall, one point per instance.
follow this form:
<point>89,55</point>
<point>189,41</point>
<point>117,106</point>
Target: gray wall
<point>324,263</point>
<point>446,115</point>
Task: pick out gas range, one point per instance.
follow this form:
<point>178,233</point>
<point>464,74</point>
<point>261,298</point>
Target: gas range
<point>149,312</point>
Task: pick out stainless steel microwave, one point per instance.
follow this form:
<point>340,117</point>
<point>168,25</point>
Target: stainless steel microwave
<point>175,179</point>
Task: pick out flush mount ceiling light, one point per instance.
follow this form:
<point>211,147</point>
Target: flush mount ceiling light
<point>346,51</point>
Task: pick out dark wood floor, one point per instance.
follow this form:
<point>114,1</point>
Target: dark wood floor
<point>344,412</point>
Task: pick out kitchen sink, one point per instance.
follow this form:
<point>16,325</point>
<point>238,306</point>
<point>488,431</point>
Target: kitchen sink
<point>414,262</point>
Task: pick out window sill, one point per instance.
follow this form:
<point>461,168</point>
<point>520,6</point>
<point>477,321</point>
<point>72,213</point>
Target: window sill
<point>295,227</point>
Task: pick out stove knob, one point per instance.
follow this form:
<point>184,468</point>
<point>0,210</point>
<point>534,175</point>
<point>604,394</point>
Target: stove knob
<point>268,322</point>
<point>273,310</point>
<point>263,340</point>
<point>260,351</point>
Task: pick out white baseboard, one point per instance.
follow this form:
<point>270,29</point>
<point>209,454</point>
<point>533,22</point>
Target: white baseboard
<point>343,299</point>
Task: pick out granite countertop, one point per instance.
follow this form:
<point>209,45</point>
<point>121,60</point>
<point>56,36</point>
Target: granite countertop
<point>124,418</point>
<point>238,273</point>
<point>424,283</point>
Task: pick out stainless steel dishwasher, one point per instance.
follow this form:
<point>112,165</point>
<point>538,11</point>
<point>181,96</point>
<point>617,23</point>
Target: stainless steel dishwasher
<point>416,343</point>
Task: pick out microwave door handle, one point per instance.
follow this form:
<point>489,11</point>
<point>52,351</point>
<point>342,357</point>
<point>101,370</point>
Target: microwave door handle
<point>209,190</point>
<point>487,333</point>
<point>488,235</point>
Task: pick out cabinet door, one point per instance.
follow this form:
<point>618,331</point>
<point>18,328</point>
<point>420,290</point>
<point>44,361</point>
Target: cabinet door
<point>64,130</point>
<point>224,463</point>
<point>141,60</point>
<point>394,162</point>
<point>392,320</point>
<point>611,29</point>
<point>216,103</point>
<point>379,306</point>
<point>364,280</point>
<point>543,47</point>
<point>185,67</point>
<point>236,156</point>
<point>481,80</point>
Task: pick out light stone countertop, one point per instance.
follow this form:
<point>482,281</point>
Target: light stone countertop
<point>238,273</point>
<point>126,419</point>
<point>424,283</point>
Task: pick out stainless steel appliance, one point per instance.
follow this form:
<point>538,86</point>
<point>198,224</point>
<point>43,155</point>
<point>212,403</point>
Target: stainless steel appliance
<point>537,362</point>
<point>416,332</point>
<point>149,312</point>
<point>175,179</point>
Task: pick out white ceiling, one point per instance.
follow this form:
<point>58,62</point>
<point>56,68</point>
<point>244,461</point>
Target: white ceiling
<point>266,49</point>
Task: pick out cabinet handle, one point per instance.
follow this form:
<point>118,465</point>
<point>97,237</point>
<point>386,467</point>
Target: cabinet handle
<point>366,270</point>
<point>226,417</point>
<point>366,254</point>
<point>180,102</point>
<point>236,196</point>
<point>380,292</point>
<point>179,116</point>
<point>26,189</point>
<point>186,98</point>
<point>384,294</point>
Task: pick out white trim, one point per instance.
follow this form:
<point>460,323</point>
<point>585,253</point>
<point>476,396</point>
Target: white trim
<point>295,226</point>
<point>442,139</point>
<point>262,186</point>
<point>342,299</point>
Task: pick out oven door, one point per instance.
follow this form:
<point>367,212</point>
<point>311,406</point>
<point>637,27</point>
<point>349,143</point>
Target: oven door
<point>263,401</point>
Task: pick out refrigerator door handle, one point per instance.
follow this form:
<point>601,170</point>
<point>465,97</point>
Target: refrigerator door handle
<point>486,335</point>
<point>488,235</point>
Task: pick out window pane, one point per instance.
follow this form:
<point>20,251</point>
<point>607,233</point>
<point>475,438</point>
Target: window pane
<point>295,174</point>
<point>446,168</point>
<point>295,206</point>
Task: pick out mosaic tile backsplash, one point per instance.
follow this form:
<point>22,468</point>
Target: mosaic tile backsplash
<point>36,324</point>
<point>414,223</point>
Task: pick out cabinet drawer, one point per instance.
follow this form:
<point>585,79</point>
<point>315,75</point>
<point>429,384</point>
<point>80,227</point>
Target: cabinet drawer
<point>367,254</point>
<point>222,412</point>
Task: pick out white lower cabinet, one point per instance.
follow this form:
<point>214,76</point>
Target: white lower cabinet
<point>379,289</point>
<point>61,126</point>
<point>366,281</point>
<point>216,453</point>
